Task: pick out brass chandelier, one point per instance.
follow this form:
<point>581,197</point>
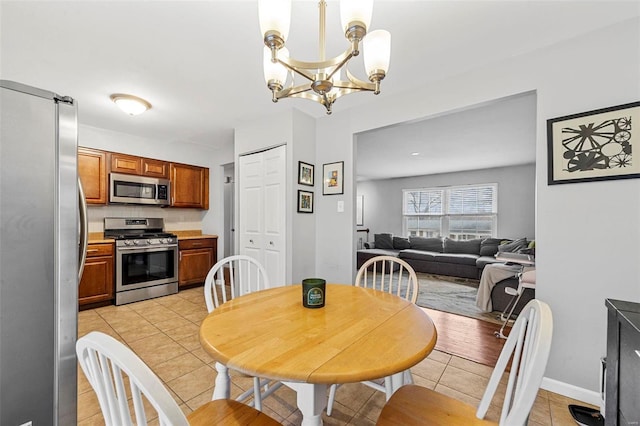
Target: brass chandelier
<point>323,82</point>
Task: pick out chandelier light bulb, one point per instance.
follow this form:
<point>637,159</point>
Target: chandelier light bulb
<point>377,52</point>
<point>274,72</point>
<point>356,11</point>
<point>130,104</point>
<point>275,16</point>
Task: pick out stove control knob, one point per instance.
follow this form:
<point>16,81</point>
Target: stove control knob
<point>164,241</point>
<point>136,242</point>
<point>149,241</point>
<point>128,242</point>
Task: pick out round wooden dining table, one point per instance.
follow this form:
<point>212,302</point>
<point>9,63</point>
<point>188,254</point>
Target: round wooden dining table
<point>360,334</point>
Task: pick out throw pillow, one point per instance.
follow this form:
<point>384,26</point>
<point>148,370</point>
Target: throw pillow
<point>400,243</point>
<point>383,241</point>
<point>489,246</point>
<point>462,246</point>
<point>426,244</point>
<point>513,246</point>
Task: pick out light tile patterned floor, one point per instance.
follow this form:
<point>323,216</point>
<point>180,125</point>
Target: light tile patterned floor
<point>164,333</point>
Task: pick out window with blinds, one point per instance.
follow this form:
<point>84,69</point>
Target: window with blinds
<point>457,212</point>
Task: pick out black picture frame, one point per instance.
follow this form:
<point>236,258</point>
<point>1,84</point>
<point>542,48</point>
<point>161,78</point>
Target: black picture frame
<point>305,201</point>
<point>333,178</point>
<point>305,173</point>
<point>594,145</point>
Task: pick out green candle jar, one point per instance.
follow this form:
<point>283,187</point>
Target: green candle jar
<point>313,292</point>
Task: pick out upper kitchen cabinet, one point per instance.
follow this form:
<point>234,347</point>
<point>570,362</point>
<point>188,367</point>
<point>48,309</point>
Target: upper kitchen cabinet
<point>92,170</point>
<point>129,164</point>
<point>189,186</point>
<point>155,168</point>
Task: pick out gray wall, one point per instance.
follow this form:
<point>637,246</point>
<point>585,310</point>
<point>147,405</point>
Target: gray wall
<point>586,233</point>
<point>516,198</point>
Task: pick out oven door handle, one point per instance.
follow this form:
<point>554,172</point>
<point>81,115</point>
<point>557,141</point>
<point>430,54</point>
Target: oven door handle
<point>146,249</point>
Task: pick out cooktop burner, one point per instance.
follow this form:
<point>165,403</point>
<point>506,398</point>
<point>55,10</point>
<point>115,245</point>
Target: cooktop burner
<point>135,228</point>
<point>132,236</point>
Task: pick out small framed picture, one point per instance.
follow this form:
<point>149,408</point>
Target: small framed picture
<point>333,178</point>
<point>305,201</point>
<point>594,145</point>
<point>305,173</point>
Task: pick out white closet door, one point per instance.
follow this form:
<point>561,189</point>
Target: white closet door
<point>251,206</point>
<point>275,214</point>
<point>262,210</point>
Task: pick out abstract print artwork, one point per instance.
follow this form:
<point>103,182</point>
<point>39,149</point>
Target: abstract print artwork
<point>595,145</point>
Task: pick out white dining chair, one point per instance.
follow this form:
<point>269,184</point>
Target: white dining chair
<point>121,381</point>
<point>527,348</point>
<point>392,275</point>
<point>245,275</point>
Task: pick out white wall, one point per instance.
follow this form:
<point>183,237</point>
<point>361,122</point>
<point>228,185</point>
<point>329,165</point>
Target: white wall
<point>303,224</point>
<point>209,221</point>
<point>297,131</point>
<point>587,233</point>
<point>516,198</point>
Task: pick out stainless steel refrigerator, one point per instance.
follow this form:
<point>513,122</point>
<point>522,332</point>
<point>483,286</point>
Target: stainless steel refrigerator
<point>39,256</point>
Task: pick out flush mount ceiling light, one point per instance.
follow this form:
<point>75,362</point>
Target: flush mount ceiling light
<point>130,104</point>
<point>323,82</point>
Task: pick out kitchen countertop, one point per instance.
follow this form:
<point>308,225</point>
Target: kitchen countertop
<point>98,237</point>
<point>191,235</point>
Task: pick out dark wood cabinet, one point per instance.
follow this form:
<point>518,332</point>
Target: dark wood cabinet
<point>189,186</point>
<point>197,256</point>
<point>623,363</point>
<point>97,283</point>
<point>92,170</point>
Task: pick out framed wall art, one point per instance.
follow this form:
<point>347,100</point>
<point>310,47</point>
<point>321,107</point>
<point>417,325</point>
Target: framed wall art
<point>333,178</point>
<point>594,145</point>
<point>305,173</point>
<point>305,201</point>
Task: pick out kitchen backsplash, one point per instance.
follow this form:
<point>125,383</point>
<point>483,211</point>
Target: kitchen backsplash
<point>174,219</point>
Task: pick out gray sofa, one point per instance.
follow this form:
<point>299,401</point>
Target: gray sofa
<point>441,256</point>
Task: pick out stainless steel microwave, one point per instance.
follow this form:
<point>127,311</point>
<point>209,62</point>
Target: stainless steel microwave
<point>133,189</point>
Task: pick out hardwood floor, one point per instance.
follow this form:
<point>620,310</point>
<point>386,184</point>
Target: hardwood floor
<point>466,337</point>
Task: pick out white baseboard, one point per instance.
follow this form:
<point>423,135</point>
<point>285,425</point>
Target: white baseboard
<point>571,391</point>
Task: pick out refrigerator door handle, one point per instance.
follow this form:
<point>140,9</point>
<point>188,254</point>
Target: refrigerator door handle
<point>84,231</point>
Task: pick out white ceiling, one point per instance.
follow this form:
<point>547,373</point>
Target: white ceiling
<point>501,133</point>
<point>200,62</point>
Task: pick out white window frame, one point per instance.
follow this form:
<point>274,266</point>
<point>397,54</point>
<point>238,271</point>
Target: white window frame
<point>444,214</point>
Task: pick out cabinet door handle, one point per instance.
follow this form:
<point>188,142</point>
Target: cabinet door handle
<point>251,241</point>
<point>92,250</point>
<point>180,256</point>
<point>271,242</point>
<point>196,243</point>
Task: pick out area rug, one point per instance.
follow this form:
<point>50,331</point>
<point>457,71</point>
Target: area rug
<point>453,295</point>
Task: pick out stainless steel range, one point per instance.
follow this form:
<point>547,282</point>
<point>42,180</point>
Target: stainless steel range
<point>146,258</point>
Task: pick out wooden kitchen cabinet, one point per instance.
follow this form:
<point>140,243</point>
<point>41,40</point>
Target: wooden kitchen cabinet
<point>155,168</point>
<point>97,283</point>
<point>189,186</point>
<point>92,170</point>
<point>130,164</point>
<point>197,257</point>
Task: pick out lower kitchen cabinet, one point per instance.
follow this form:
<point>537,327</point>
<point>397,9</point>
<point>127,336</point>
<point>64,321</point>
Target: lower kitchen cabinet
<point>197,256</point>
<point>97,283</point>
